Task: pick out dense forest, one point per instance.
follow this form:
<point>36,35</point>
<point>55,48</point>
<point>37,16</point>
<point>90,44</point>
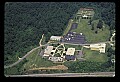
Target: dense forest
<point>25,22</point>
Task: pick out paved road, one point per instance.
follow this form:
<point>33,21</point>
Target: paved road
<point>83,44</point>
<point>89,43</point>
<point>22,58</point>
<point>96,74</point>
<point>26,54</point>
<point>112,37</point>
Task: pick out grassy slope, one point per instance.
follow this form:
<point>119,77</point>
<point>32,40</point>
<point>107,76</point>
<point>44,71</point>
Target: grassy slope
<point>90,35</point>
<point>90,55</point>
<point>35,60</point>
<point>68,27</point>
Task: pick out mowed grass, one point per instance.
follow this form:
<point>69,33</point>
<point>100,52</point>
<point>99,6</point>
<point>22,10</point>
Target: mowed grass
<point>90,35</point>
<point>95,56</point>
<point>34,60</point>
<point>77,47</point>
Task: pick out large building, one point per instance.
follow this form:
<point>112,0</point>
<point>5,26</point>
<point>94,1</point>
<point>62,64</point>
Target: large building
<point>55,38</point>
<point>86,13</point>
<point>48,51</point>
<point>70,51</point>
<point>98,47</point>
<point>70,54</point>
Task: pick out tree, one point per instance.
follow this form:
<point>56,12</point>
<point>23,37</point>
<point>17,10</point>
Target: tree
<point>110,52</point>
<point>100,24</point>
<point>96,32</point>
<point>92,26</point>
<point>89,22</point>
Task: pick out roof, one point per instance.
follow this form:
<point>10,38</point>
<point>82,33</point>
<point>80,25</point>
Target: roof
<point>68,57</point>
<point>55,59</point>
<point>48,50</point>
<point>101,47</point>
<point>55,37</point>
<point>97,45</point>
<point>70,51</point>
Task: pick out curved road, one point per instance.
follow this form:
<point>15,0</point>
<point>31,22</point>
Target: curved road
<point>112,37</point>
<point>26,54</point>
<point>22,58</point>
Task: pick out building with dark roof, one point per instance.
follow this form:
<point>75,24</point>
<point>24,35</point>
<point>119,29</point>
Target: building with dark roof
<point>70,57</point>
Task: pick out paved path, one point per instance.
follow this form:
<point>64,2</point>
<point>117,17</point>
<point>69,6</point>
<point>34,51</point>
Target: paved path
<point>82,44</point>
<point>112,37</point>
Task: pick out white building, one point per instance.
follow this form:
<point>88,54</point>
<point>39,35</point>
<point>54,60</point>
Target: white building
<point>70,51</point>
<point>55,38</point>
<point>48,51</point>
<point>100,47</point>
<point>56,59</point>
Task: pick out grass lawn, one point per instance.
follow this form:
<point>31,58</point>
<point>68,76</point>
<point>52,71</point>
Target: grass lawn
<point>35,60</point>
<point>90,35</point>
<point>90,55</point>
<point>77,47</point>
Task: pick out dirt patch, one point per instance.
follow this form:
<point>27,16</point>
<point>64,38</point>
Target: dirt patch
<point>58,67</point>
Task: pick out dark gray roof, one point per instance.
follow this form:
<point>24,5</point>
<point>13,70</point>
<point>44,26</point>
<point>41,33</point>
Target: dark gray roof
<point>69,57</point>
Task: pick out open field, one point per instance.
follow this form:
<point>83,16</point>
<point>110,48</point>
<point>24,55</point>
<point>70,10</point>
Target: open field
<point>77,47</point>
<point>35,60</point>
<point>90,35</point>
<point>90,55</point>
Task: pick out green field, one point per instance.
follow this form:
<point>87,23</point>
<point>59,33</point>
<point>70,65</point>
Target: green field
<point>90,35</point>
<point>90,55</point>
<point>34,60</point>
<point>77,47</point>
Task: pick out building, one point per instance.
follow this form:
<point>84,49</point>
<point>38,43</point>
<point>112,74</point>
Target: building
<point>70,54</point>
<point>70,51</point>
<point>48,51</point>
<point>56,59</point>
<point>70,57</point>
<point>99,47</point>
<point>85,13</point>
<point>55,38</point>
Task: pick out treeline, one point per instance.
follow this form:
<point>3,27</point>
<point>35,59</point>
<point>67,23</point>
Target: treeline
<point>25,23</point>
<point>89,66</point>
